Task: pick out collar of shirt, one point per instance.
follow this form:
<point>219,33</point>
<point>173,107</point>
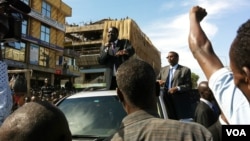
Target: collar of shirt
<point>174,67</point>
<point>207,102</point>
<point>115,42</point>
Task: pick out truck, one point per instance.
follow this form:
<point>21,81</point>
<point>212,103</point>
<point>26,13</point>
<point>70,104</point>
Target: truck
<point>87,40</point>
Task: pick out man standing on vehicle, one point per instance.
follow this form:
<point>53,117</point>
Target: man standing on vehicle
<point>176,82</point>
<point>114,53</point>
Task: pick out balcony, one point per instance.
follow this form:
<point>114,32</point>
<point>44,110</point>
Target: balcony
<point>71,70</point>
<point>47,20</point>
<point>87,60</point>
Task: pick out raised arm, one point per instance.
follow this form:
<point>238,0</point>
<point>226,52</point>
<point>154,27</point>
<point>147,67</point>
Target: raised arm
<point>200,45</point>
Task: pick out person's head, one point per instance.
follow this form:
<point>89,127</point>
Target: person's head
<point>204,91</point>
<point>173,58</point>
<point>136,85</point>
<point>34,98</point>
<point>46,81</point>
<point>113,33</point>
<point>240,58</point>
<point>36,121</point>
<point>19,99</point>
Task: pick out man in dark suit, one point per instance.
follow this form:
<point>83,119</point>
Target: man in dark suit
<point>205,112</point>
<point>215,128</point>
<point>114,53</point>
<point>175,79</point>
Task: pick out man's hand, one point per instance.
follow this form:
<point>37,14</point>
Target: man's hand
<point>173,90</point>
<point>121,52</point>
<point>200,45</point>
<point>106,46</point>
<point>161,82</point>
<point>198,13</point>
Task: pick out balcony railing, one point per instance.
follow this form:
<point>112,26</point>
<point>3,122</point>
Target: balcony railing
<point>47,20</point>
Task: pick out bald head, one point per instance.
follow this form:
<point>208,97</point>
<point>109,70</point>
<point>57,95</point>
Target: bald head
<point>36,121</point>
<point>204,91</point>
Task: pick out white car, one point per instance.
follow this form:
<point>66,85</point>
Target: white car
<point>95,115</point>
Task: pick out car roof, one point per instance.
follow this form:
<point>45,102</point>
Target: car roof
<point>93,94</point>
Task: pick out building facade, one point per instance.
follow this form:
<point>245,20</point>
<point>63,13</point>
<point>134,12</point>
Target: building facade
<point>41,45</point>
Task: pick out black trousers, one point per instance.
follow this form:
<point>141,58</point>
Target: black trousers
<point>113,83</point>
<point>178,105</point>
<point>170,106</point>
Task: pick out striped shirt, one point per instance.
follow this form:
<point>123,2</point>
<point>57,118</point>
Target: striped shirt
<point>141,125</point>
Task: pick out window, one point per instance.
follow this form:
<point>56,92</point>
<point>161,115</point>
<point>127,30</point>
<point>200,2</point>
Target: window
<point>47,57</point>
<point>24,26</point>
<point>46,9</point>
<point>45,33</point>
<point>59,60</point>
<point>34,50</point>
<point>15,51</point>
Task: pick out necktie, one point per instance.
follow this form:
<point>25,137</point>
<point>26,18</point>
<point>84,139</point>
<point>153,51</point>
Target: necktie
<point>216,110</point>
<point>113,47</point>
<point>113,51</point>
<point>169,78</point>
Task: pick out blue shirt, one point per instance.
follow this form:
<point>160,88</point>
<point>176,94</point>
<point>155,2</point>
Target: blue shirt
<point>5,93</point>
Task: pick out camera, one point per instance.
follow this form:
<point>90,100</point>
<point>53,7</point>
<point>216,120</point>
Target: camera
<point>11,16</point>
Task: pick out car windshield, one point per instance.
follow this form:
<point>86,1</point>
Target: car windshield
<point>93,116</point>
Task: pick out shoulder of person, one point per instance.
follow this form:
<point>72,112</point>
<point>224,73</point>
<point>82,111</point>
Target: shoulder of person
<point>165,67</point>
<point>123,41</point>
<point>181,66</point>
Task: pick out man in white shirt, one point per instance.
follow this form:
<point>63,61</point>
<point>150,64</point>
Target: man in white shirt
<point>231,88</point>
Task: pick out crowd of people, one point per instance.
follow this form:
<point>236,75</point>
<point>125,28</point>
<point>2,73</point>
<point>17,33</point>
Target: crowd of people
<point>47,92</point>
<point>134,81</point>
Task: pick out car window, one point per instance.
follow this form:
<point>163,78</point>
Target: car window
<point>93,116</point>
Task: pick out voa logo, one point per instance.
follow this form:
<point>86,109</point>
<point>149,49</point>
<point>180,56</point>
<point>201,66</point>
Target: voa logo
<point>236,132</point>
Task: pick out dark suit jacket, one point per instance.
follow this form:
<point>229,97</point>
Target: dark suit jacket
<point>181,78</point>
<point>204,114</point>
<point>215,129</point>
<point>108,58</point>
